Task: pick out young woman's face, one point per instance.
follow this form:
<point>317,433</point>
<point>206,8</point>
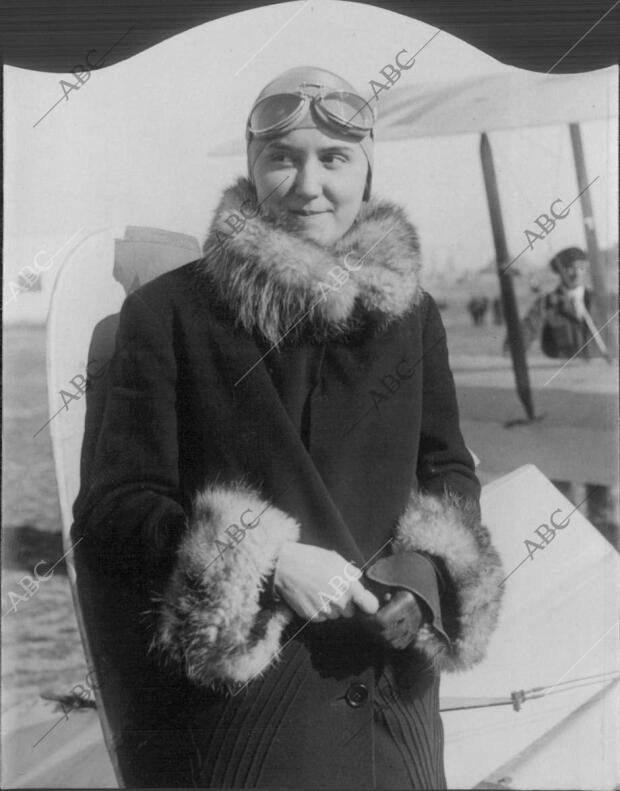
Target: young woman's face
<point>314,180</point>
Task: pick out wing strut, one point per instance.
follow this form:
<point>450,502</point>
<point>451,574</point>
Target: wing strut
<point>515,338</point>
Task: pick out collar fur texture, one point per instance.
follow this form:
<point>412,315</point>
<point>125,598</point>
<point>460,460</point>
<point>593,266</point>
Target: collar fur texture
<point>276,282</point>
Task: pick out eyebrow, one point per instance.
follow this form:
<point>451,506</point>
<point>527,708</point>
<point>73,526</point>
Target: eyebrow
<point>275,144</point>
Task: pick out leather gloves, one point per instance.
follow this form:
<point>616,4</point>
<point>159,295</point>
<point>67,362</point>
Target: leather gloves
<point>398,619</point>
<point>406,586</point>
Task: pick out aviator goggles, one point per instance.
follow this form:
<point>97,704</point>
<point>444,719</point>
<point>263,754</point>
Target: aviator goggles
<point>341,111</point>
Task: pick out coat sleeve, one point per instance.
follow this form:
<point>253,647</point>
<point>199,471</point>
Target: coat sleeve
<point>207,563</point>
<point>129,515</point>
<point>442,519</point>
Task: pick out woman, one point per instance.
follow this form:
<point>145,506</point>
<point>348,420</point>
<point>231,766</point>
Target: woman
<point>284,543</point>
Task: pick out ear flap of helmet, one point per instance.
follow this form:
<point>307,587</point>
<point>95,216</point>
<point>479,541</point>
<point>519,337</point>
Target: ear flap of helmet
<point>368,187</point>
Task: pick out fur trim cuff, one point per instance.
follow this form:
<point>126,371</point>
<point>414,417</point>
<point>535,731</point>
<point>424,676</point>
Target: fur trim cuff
<point>210,618</point>
<point>450,531</point>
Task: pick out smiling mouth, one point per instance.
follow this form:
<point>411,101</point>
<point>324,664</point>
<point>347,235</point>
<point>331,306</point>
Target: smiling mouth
<point>305,212</point>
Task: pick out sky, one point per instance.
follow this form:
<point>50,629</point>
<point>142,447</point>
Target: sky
<point>132,145</point>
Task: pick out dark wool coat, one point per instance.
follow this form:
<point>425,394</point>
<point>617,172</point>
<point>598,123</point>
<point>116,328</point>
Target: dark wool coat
<point>277,391</point>
<point>562,333</point>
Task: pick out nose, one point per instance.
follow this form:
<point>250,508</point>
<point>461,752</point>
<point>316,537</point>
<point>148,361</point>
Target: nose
<point>308,183</point>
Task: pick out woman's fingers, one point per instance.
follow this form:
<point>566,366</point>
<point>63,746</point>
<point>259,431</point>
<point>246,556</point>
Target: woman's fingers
<point>365,600</point>
<point>343,604</point>
<point>319,584</point>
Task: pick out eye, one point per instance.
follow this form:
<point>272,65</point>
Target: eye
<point>334,158</point>
<point>281,158</point>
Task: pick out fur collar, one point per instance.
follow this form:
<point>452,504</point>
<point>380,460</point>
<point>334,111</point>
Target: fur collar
<point>275,282</point>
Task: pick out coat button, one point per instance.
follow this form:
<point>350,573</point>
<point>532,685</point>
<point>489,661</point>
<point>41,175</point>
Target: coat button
<point>356,695</point>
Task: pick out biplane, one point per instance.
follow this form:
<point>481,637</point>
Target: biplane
<point>542,709</point>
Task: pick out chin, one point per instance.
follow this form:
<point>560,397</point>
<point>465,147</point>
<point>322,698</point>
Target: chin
<point>316,235</point>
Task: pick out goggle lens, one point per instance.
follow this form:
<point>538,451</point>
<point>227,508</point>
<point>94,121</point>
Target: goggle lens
<point>340,108</point>
<point>349,109</point>
<point>273,111</point>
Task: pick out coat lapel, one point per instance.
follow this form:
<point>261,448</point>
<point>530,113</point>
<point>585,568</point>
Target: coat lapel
<point>275,453</point>
<point>275,288</point>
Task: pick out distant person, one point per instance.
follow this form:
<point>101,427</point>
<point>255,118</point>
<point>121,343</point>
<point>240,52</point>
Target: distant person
<point>477,307</point>
<point>561,318</point>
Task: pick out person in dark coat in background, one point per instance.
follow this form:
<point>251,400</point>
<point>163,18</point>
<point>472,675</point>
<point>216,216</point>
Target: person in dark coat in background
<point>561,318</point>
<point>477,307</point>
<point>281,545</point>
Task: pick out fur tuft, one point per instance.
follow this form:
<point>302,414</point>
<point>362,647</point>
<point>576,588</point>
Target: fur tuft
<point>210,619</point>
<point>449,529</point>
<point>271,278</point>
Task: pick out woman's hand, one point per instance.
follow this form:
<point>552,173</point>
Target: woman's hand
<point>397,622</point>
<point>319,584</point>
